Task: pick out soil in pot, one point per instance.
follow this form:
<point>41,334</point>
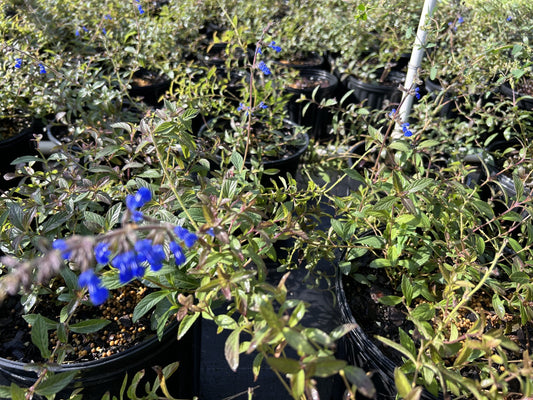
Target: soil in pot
<point>315,117</point>
<point>149,86</point>
<point>307,60</point>
<point>101,358</point>
<point>375,318</point>
<point>16,140</point>
<point>282,156</point>
<point>523,87</point>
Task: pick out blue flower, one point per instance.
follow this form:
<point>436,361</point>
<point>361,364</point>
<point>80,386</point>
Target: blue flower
<point>102,253</point>
<point>104,31</point>
<point>42,70</point>
<point>18,63</point>
<point>61,245</point>
<point>405,129</point>
<point>263,68</point>
<point>242,107</point>
<point>509,18</point>
<point>211,232</point>
<point>392,113</point>
<point>262,105</point>
<point>97,292</point>
<point>460,20</point>
<point>179,256</point>
<point>274,47</point>
<point>187,237</point>
<point>137,200</point>
<point>77,32</point>
<point>151,253</point>
<point>108,16</point>
<point>128,267</point>
<point>417,93</point>
<point>258,50</point>
<point>140,8</point>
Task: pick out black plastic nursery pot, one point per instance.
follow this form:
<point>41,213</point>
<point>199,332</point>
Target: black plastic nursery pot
<point>287,164</point>
<point>360,350</point>
<point>315,117</point>
<point>310,60</point>
<point>97,377</point>
<point>149,86</point>
<point>375,95</point>
<point>525,102</point>
<point>21,144</point>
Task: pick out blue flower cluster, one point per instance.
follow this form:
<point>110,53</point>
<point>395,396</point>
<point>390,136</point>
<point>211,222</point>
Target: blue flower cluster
<point>18,63</point>
<point>131,264</point>
<point>136,201</point>
<point>405,129</point>
<point>273,46</point>
<point>263,68</point>
<point>42,69</point>
<point>139,7</point>
<point>97,292</point>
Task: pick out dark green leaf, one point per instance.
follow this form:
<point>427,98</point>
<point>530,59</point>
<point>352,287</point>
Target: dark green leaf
<point>328,367</point>
<point>39,335</point>
<point>358,377</point>
<point>89,326</point>
<point>55,383</point>
<point>284,365</point>
<point>148,302</point>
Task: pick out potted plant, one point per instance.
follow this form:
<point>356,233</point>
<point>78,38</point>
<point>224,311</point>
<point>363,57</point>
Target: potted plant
<point>258,133</point>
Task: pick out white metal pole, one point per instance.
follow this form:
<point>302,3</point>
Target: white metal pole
<point>412,69</point>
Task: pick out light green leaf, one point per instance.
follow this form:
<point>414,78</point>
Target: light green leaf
<point>231,349</point>
<point>186,323</point>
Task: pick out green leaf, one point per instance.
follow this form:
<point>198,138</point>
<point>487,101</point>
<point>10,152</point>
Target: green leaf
<point>328,367</point>
<point>16,393</point>
<point>428,143</point>
<point>358,377</point>
<point>298,384</point>
<point>520,277</point>
<point>390,300</point>
<point>518,186</point>
<point>423,312</point>
<point>342,330</point>
<point>231,349</point>
<point>498,306</point>
<point>297,314</point>
<point>237,160</point>
<point>225,321</point>
<point>112,216</point>
<point>186,324</point>
<point>122,125</point>
<point>32,318</point>
<point>400,145</point>
<point>419,184</point>
<point>298,341</point>
<point>386,203</point>
<point>397,347</point>
<point>148,302</point>
<point>402,383</point>
<point>284,365</point>
<point>90,217</point>
<point>433,73</point>
<point>39,336</point>
<point>407,290</point>
<point>89,325</point>
<point>55,383</point>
